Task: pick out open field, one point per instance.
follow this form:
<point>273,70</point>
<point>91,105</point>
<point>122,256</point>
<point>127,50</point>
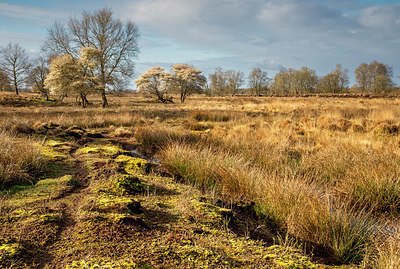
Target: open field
<point>243,182</point>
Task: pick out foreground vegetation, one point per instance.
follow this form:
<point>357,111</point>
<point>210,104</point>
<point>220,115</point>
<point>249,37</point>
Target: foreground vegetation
<point>226,182</point>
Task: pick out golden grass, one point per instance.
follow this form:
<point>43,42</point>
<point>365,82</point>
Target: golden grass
<point>20,160</point>
<point>325,169</point>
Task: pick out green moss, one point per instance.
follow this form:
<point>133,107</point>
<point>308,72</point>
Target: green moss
<point>129,184</point>
<point>72,182</point>
<point>41,191</point>
<point>106,264</point>
<point>133,165</point>
<point>54,143</point>
<point>50,218</point>
<point>51,154</point>
<point>8,250</point>
<point>108,150</point>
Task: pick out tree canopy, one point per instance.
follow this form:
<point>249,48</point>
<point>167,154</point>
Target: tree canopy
<point>225,82</point>
<point>117,43</point>
<point>290,81</point>
<point>70,75</point>
<point>374,77</point>
<point>258,81</point>
<point>156,82</point>
<point>334,82</point>
<point>186,80</point>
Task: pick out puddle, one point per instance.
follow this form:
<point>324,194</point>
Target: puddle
<point>153,160</point>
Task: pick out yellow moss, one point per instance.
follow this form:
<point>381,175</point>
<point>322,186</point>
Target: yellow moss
<point>102,264</point>
<point>106,201</point>
<point>107,150</point>
<point>132,165</point>
<point>288,257</point>
<point>50,218</point>
<point>8,250</point>
<point>52,154</point>
<point>54,143</point>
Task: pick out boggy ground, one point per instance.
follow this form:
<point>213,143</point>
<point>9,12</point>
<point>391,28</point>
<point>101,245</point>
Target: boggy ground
<point>294,182</point>
<point>100,206</point>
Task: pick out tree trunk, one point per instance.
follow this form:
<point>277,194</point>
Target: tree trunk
<point>104,98</point>
<point>62,97</point>
<point>83,98</point>
<point>183,97</point>
<point>86,100</point>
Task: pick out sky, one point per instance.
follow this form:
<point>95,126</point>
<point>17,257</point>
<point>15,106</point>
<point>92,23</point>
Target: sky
<point>232,34</point>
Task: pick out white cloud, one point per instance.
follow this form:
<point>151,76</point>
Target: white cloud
<point>290,33</point>
<point>242,34</point>
<point>28,12</point>
<point>381,17</point>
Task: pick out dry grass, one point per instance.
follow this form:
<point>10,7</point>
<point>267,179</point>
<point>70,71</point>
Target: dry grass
<point>20,160</point>
<point>326,170</point>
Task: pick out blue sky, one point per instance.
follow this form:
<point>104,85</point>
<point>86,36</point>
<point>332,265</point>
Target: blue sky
<point>232,34</point>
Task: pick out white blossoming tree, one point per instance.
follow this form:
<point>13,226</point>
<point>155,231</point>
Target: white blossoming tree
<point>156,82</point>
<point>71,76</point>
<point>186,80</point>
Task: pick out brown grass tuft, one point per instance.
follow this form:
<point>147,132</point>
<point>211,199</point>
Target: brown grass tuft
<point>20,160</point>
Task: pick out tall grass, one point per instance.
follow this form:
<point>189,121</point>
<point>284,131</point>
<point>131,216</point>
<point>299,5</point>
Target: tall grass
<point>20,160</point>
<point>331,185</point>
<point>388,255</point>
<point>301,207</point>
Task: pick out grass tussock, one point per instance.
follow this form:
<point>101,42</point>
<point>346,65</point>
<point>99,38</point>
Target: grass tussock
<point>20,160</point>
<point>215,116</point>
<point>388,255</point>
<point>156,137</point>
<point>299,207</point>
<point>325,171</point>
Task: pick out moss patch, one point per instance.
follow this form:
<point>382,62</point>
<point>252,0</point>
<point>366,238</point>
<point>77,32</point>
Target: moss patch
<point>8,250</point>
<point>107,150</point>
<point>133,165</point>
<point>129,184</point>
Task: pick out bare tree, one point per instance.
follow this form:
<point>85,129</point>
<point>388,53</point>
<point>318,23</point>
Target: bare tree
<point>15,64</point>
<point>291,81</point>
<point>334,82</point>
<point>218,82</point>
<point>258,81</point>
<point>117,42</point>
<point>37,76</point>
<point>235,80</point>
<point>376,77</point>
<point>305,80</point>
<point>4,81</point>
<point>283,81</point>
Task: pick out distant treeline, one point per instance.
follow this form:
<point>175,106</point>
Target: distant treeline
<point>95,54</point>
<point>374,78</point>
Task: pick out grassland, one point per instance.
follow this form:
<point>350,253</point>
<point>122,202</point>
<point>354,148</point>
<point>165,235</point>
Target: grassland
<point>243,182</point>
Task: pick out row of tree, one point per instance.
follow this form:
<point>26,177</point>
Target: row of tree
<point>374,77</point>
<point>93,51</point>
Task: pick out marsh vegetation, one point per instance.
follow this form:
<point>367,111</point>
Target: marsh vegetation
<point>281,178</point>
